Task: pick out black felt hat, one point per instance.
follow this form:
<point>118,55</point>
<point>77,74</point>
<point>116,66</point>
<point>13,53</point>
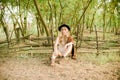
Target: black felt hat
<point>63,25</point>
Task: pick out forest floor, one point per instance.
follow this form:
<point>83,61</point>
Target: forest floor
<point>32,63</point>
<point>66,69</point>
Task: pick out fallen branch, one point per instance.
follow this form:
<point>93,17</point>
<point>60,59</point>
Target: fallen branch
<point>5,41</point>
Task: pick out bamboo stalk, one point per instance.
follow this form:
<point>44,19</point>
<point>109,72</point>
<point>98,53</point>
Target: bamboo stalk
<point>41,18</point>
<point>77,37</point>
<point>97,46</point>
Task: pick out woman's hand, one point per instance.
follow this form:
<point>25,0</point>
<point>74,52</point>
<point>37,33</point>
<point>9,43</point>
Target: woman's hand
<point>68,44</point>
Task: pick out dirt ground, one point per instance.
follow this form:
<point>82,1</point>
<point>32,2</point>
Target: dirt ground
<point>66,69</point>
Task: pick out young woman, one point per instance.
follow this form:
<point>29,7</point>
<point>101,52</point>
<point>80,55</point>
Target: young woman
<point>64,44</point>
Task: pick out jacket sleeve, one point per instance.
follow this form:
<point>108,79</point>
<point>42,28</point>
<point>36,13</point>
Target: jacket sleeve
<point>70,39</point>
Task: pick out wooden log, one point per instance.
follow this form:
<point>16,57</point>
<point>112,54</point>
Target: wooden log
<point>25,37</point>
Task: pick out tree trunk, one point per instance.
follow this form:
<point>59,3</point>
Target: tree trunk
<point>5,26</point>
<point>51,24</point>
<point>38,26</point>
<point>96,40</point>
<point>104,22</point>
<point>61,11</point>
<point>41,18</point>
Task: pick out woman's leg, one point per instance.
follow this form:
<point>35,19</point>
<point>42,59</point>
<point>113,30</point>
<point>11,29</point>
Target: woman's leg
<point>67,50</point>
<point>55,54</point>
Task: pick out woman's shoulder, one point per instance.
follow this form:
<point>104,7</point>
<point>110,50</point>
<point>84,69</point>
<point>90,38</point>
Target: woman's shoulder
<point>70,39</point>
<point>59,36</point>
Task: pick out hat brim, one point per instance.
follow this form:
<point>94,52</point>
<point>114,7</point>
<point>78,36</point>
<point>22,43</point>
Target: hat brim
<point>64,25</point>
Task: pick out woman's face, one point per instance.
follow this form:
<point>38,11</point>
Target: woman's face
<point>64,31</point>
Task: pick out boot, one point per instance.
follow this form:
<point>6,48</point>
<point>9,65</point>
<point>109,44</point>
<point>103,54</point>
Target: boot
<point>74,57</point>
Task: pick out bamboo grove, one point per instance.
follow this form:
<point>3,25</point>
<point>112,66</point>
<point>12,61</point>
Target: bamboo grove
<point>19,18</point>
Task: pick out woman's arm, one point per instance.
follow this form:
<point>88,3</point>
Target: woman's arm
<point>68,44</point>
<point>68,49</point>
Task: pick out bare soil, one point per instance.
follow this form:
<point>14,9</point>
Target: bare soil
<point>66,69</point>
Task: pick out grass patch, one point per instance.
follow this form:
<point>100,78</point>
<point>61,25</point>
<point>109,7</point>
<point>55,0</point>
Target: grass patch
<point>102,58</point>
<point>111,44</point>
